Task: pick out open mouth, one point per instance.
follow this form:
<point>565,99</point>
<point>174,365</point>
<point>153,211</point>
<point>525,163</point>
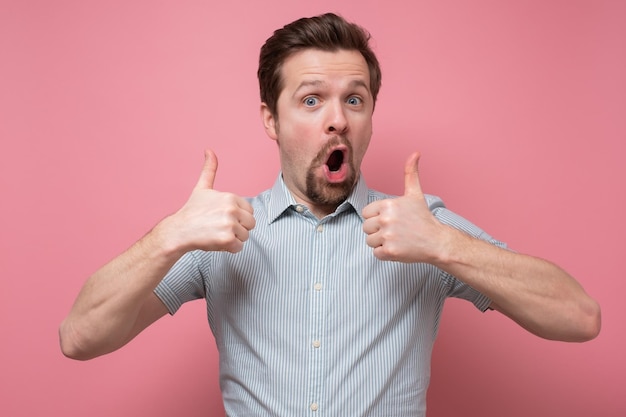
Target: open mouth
<point>336,166</point>
<point>335,160</point>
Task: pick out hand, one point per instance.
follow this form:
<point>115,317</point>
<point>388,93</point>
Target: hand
<point>403,229</point>
<point>211,220</point>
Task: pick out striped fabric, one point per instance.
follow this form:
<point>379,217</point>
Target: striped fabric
<point>308,322</point>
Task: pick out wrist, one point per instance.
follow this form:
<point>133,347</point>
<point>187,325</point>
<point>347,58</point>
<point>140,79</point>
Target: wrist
<point>453,243</point>
<point>165,240</point>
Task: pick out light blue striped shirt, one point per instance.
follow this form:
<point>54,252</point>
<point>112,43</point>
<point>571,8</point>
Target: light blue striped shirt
<point>309,323</point>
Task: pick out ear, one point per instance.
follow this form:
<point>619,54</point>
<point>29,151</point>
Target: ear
<point>269,122</point>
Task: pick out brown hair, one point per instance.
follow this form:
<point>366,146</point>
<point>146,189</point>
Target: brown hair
<point>327,32</point>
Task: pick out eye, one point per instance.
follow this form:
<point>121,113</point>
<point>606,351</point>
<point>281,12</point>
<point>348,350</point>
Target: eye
<point>355,101</point>
<point>311,101</point>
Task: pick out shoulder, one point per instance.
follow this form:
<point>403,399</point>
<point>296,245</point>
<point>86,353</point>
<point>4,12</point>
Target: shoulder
<point>260,200</point>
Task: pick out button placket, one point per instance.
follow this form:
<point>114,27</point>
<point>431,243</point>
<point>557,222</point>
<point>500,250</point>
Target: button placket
<point>319,272</point>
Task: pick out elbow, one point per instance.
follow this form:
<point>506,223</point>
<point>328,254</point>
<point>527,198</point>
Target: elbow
<point>576,325</point>
<point>585,325</point>
<point>70,344</point>
<point>590,322</point>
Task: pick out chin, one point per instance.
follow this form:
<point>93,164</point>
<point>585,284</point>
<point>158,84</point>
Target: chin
<point>328,194</point>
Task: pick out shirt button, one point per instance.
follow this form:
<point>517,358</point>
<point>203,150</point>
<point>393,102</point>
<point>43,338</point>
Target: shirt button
<point>317,343</point>
<point>318,286</point>
<point>320,228</point>
<point>299,208</point>
<point>314,406</point>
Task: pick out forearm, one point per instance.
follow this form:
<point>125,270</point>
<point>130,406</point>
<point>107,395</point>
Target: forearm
<point>106,311</point>
<point>535,293</point>
<point>117,302</point>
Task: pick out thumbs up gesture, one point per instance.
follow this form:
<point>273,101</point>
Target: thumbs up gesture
<point>211,220</point>
<point>403,228</point>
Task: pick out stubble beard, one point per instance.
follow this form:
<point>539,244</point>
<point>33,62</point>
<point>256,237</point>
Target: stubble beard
<point>322,192</point>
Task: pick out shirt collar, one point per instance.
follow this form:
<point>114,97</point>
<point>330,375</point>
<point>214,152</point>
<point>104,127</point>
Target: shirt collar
<point>281,199</point>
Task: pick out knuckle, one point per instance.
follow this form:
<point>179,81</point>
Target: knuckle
<point>381,253</point>
<point>391,251</point>
<point>235,247</point>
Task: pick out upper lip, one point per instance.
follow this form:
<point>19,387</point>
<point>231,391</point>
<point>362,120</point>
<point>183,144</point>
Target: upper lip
<point>341,148</point>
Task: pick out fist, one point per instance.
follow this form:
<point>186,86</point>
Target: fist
<point>403,228</point>
<point>212,220</point>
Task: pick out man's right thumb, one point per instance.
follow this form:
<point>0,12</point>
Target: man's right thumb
<point>207,177</point>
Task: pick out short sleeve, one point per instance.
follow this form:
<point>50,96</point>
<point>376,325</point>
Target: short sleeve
<point>457,288</point>
<point>182,283</point>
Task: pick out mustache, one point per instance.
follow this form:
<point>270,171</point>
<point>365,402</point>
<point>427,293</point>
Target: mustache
<point>334,141</point>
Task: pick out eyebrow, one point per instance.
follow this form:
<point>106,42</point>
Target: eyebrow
<point>359,83</point>
<point>308,83</point>
<point>317,83</point>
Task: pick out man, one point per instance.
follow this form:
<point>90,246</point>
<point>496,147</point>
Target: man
<point>323,295</point>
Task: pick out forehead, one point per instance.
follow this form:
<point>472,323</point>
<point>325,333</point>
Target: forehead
<point>314,65</point>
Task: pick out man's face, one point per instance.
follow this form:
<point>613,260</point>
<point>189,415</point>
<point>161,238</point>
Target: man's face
<point>323,125</point>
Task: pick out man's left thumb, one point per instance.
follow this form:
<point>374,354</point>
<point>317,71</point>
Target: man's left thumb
<point>411,177</point>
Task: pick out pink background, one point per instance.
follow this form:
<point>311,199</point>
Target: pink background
<point>519,109</point>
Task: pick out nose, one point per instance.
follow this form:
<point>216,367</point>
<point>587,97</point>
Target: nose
<point>336,121</point>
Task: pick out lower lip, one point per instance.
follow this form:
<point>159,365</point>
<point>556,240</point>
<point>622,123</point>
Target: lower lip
<point>334,177</point>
